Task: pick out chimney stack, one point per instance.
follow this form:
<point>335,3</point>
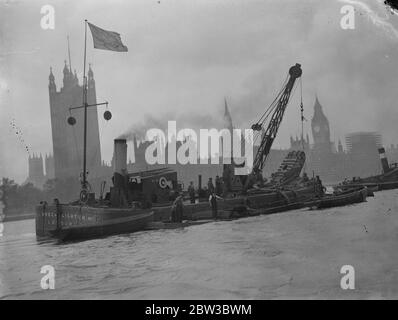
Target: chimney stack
<point>384,161</point>
<point>120,154</point>
<point>119,194</point>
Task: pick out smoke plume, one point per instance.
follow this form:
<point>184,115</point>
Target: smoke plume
<point>184,120</point>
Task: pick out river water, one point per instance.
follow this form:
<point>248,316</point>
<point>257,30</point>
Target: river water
<point>297,254</point>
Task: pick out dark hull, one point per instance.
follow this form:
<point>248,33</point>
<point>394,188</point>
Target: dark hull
<point>348,198</point>
<point>241,206</point>
<point>385,181</point>
<point>10,218</point>
<point>110,227</point>
<point>375,186</point>
<point>72,222</point>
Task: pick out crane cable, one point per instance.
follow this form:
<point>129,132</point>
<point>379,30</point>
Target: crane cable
<point>270,109</point>
<point>302,122</point>
<point>302,113</point>
<point>273,104</point>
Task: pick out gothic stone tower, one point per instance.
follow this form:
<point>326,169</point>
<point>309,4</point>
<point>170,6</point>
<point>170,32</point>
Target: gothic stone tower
<point>320,129</point>
<point>36,171</point>
<point>49,165</point>
<point>68,140</point>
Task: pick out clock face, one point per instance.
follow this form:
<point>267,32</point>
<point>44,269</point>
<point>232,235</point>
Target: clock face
<point>317,129</point>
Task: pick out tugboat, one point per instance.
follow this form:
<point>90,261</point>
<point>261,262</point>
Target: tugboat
<point>88,217</point>
<point>388,179</point>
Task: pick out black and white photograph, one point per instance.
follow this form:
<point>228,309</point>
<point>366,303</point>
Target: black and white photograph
<point>209,153</point>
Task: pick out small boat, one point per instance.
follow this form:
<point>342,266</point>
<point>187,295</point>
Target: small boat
<point>371,189</point>
<point>342,199</point>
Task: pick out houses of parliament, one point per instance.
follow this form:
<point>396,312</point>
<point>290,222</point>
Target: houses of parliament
<point>66,161</point>
<point>332,163</point>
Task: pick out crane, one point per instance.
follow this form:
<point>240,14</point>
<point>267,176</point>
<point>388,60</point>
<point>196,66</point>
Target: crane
<point>276,110</point>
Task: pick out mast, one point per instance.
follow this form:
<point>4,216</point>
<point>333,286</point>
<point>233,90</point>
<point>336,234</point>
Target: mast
<point>85,187</point>
<point>84,182</point>
<point>70,61</point>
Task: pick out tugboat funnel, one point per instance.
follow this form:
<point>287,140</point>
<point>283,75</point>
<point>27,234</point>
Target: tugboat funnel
<point>384,161</point>
<point>119,190</point>
<point>120,154</point>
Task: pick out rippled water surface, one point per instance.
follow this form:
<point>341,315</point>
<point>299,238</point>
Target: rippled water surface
<point>296,254</point>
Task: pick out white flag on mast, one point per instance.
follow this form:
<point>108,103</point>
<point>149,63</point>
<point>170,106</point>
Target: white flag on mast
<point>106,40</point>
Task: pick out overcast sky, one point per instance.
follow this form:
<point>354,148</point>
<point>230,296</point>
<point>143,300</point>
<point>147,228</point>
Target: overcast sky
<point>185,56</point>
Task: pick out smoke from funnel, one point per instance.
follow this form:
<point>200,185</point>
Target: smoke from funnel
<point>189,120</point>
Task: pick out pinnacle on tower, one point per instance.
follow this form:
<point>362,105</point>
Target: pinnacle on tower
<point>318,111</point>
<point>75,78</point>
<point>227,116</point>
<point>66,69</point>
<point>51,76</point>
<point>317,105</point>
<point>51,79</point>
<point>90,72</point>
<point>340,146</point>
<point>68,76</point>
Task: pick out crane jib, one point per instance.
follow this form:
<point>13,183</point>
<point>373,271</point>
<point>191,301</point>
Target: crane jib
<point>269,136</point>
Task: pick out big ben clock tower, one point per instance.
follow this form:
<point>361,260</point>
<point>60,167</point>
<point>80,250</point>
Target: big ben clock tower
<point>320,129</point>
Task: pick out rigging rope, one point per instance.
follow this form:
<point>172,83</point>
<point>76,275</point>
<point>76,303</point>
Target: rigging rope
<point>270,109</point>
<point>104,126</point>
<point>302,122</point>
<point>77,154</point>
<point>302,113</point>
<point>273,104</point>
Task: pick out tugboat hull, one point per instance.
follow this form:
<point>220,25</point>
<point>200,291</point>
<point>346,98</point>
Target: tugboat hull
<point>69,222</point>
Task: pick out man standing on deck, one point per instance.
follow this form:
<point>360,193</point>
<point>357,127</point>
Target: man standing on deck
<point>177,209</point>
<point>320,188</point>
<point>213,203</point>
<point>218,186</point>
<point>191,192</point>
<point>210,186</point>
